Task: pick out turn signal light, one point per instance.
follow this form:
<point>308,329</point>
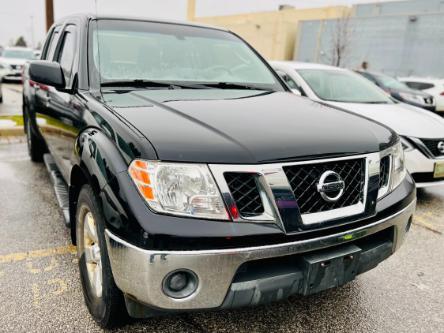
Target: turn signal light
<point>139,173</point>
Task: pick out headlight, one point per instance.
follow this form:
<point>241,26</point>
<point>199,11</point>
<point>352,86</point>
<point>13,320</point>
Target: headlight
<point>412,98</point>
<point>398,166</point>
<point>178,189</point>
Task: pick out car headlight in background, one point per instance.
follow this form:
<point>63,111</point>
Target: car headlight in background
<point>178,188</point>
<point>412,98</point>
<point>398,166</point>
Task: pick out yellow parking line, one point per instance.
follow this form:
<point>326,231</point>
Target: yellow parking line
<point>419,221</point>
<point>19,256</point>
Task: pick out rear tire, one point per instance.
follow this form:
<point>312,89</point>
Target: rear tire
<point>103,299</point>
<point>36,146</point>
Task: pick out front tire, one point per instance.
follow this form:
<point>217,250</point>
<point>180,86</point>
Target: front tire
<point>103,299</point>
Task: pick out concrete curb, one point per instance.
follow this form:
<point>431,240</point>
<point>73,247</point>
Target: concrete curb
<point>12,131</point>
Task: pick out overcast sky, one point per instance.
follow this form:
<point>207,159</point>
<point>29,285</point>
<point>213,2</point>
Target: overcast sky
<point>26,17</point>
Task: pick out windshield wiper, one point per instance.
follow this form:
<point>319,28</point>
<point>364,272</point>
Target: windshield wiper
<point>146,84</point>
<point>376,102</point>
<point>139,83</point>
<point>228,85</point>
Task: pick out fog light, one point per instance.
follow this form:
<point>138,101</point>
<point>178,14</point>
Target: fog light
<point>180,283</point>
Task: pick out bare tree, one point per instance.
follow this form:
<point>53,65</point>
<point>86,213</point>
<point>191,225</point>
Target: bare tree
<point>340,41</point>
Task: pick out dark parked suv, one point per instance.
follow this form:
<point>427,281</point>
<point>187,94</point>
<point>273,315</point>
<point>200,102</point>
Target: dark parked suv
<point>191,178</point>
<point>400,91</point>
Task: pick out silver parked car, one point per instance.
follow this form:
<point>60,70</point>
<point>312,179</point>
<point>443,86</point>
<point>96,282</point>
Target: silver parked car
<point>12,61</point>
<point>422,132</point>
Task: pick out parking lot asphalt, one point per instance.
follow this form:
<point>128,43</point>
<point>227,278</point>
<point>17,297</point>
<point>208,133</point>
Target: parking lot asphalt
<point>40,289</point>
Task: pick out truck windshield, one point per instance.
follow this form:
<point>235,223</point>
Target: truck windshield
<point>343,86</point>
<point>152,52</point>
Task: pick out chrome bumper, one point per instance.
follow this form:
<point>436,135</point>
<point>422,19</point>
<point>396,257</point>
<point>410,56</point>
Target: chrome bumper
<point>417,162</point>
<point>140,273</point>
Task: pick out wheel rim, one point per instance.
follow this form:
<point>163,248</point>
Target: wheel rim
<point>92,254</point>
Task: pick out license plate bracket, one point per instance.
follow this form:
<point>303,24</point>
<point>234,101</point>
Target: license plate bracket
<point>329,269</point>
<point>438,170</point>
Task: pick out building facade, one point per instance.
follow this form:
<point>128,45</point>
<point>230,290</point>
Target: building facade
<point>398,38</point>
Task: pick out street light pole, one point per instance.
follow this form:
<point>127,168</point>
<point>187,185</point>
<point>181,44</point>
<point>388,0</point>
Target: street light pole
<point>49,13</point>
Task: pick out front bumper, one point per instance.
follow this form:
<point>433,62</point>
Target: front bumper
<point>418,163</point>
<point>12,75</point>
<point>140,273</point>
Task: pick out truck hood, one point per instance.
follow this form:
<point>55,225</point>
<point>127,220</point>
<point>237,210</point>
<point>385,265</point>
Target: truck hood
<point>405,119</point>
<point>234,126</point>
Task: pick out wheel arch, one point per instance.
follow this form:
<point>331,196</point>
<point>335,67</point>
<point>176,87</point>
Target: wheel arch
<point>98,163</point>
<point>79,177</point>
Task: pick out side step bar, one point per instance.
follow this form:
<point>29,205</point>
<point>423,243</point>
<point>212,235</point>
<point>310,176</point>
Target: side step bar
<point>60,186</point>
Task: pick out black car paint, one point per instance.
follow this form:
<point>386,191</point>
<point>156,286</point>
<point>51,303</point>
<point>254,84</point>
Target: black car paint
<point>93,141</point>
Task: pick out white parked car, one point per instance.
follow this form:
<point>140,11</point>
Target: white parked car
<point>422,132</point>
<point>434,87</point>
<point>12,61</point>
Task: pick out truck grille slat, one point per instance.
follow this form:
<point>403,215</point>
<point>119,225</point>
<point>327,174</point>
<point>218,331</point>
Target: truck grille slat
<point>244,189</point>
<point>384,172</point>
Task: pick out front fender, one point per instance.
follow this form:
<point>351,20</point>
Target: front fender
<point>99,160</point>
<point>99,157</point>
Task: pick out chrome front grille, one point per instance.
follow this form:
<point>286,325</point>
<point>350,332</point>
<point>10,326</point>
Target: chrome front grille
<point>289,194</point>
<point>245,191</point>
<point>304,179</point>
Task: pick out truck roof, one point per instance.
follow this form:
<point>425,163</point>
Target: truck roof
<point>87,16</point>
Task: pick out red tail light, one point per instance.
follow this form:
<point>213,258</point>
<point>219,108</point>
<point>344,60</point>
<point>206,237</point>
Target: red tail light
<point>442,94</point>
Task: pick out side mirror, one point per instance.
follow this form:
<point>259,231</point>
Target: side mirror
<point>48,73</point>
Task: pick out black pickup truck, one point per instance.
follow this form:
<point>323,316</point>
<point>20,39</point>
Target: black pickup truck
<point>191,178</point>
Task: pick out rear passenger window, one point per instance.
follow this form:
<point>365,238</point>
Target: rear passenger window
<point>66,54</point>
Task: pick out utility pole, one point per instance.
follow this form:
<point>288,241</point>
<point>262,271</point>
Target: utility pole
<point>49,13</point>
